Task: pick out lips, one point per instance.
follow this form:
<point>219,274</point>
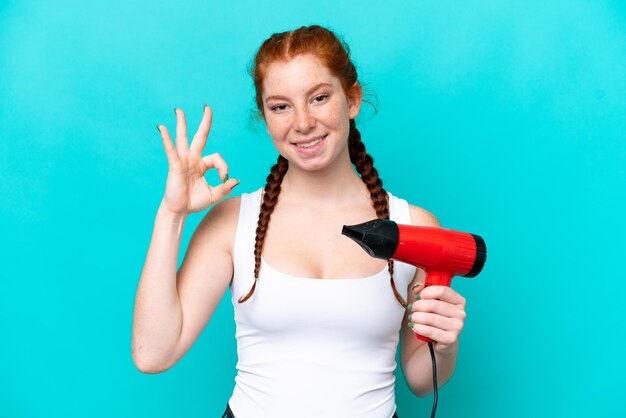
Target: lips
<point>309,142</point>
<point>310,147</point>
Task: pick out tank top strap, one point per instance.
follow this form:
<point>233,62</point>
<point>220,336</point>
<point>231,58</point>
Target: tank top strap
<point>243,248</point>
<point>400,213</point>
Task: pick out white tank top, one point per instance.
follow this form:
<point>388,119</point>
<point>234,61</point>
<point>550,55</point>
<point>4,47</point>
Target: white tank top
<point>312,348</point>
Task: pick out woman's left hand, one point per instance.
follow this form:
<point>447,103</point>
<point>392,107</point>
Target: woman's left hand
<point>439,314</point>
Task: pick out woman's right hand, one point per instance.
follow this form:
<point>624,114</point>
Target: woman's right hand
<point>186,190</point>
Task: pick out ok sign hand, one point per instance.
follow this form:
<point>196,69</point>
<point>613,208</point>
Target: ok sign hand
<point>186,190</point>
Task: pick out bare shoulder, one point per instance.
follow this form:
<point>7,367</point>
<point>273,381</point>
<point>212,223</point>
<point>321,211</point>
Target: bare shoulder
<point>225,209</point>
<point>221,219</point>
<point>422,217</point>
<point>215,233</point>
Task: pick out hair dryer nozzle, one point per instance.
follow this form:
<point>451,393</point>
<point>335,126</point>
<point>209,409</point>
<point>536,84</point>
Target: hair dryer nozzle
<point>379,238</point>
<point>481,256</point>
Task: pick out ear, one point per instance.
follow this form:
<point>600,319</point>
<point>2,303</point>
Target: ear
<point>355,98</point>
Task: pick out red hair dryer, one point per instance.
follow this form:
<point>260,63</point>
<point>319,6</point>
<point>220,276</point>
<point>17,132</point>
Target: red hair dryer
<point>442,253</point>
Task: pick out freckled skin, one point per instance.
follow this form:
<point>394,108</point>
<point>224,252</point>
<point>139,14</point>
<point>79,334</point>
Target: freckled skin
<point>303,114</point>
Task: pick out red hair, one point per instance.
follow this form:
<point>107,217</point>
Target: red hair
<point>335,55</point>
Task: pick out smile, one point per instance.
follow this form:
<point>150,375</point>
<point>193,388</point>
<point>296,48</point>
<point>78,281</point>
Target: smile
<point>311,143</point>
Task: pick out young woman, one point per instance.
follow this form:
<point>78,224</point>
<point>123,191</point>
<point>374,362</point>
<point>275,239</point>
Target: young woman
<point>318,320</point>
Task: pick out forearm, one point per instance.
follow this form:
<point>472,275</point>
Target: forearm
<point>157,319</point>
<point>418,369</point>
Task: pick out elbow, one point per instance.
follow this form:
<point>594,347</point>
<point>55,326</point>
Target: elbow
<point>421,392</point>
<point>425,389</point>
<point>418,386</point>
<point>147,365</point>
<point>148,369</point>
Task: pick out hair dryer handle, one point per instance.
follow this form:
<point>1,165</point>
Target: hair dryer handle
<point>435,278</point>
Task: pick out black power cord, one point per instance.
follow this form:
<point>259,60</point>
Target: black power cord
<point>432,356</point>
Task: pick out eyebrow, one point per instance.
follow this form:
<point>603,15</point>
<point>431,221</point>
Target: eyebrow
<point>311,90</point>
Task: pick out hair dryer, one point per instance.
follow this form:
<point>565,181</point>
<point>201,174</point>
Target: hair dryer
<point>442,253</point>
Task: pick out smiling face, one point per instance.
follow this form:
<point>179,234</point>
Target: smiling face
<point>307,112</point>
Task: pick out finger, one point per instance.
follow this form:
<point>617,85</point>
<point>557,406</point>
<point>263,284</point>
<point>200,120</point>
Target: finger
<point>170,150</point>
<point>222,190</point>
<point>181,133</point>
<point>199,140</point>
<point>417,287</point>
<point>438,307</point>
<point>437,321</point>
<point>216,161</point>
<point>435,334</point>
<point>444,293</point>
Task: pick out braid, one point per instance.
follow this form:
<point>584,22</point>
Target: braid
<point>364,164</point>
<point>334,54</point>
<point>270,198</point>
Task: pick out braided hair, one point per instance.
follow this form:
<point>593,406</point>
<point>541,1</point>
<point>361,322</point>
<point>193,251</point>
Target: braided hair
<point>335,55</point>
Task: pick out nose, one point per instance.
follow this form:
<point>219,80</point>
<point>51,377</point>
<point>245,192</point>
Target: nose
<point>304,121</point>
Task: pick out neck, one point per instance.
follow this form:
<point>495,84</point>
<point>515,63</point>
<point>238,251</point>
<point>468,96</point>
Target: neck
<point>337,185</point>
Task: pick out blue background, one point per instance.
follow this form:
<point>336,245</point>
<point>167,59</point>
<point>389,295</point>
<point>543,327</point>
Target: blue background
<point>506,119</point>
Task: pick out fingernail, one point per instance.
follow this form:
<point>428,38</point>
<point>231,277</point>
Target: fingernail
<point>409,306</point>
<point>409,315</point>
<point>416,285</point>
<point>417,297</point>
<point>237,184</point>
<point>158,128</point>
<point>225,178</point>
<point>175,112</point>
<point>205,106</point>
<point>411,324</point>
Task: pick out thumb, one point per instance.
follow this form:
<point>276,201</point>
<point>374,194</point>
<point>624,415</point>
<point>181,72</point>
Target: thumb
<point>417,287</point>
<point>225,189</point>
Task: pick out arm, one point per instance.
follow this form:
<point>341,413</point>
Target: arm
<point>439,315</point>
<point>172,309</point>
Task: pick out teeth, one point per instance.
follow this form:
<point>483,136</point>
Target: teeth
<point>310,144</point>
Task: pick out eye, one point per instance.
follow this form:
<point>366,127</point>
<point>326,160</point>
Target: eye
<point>279,107</point>
<point>321,97</point>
